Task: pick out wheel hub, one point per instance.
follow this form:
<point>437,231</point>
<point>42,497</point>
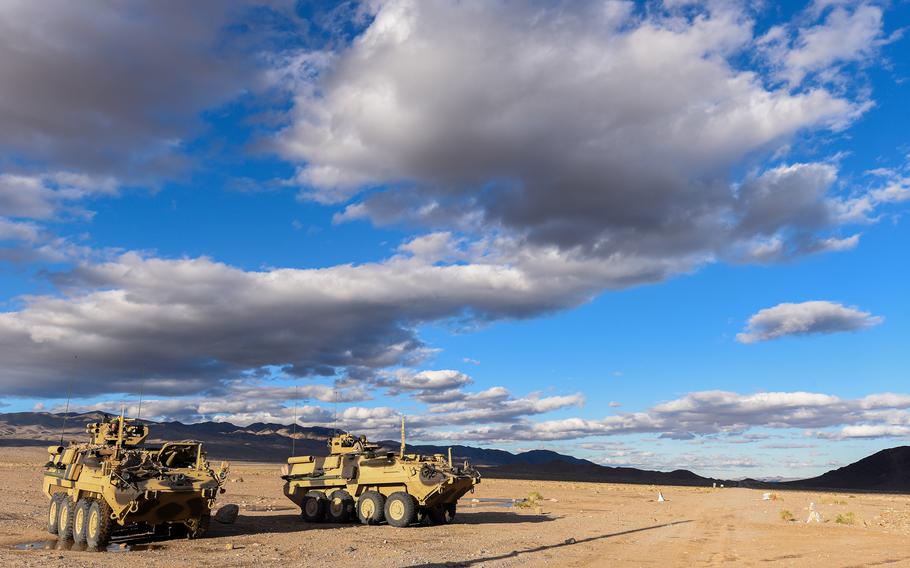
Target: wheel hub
<point>93,524</point>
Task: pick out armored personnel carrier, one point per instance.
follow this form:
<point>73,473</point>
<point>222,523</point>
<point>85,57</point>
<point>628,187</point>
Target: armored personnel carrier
<point>113,483</point>
<point>357,480</point>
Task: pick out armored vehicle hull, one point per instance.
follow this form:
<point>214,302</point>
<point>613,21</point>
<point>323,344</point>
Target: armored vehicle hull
<point>111,484</point>
<point>356,481</point>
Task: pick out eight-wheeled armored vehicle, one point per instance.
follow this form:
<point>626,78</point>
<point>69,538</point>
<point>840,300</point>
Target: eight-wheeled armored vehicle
<point>113,483</point>
<point>359,480</point>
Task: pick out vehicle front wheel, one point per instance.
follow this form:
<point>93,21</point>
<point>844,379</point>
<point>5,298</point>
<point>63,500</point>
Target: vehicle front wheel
<point>98,525</point>
<point>52,511</point>
<point>313,508</point>
<point>198,527</point>
<point>400,509</point>
<point>65,518</point>
<point>371,507</point>
<point>340,507</point>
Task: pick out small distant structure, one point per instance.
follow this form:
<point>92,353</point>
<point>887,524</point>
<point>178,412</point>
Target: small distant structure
<point>660,497</point>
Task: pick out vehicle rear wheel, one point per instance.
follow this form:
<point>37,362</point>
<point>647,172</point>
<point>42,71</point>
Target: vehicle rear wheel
<point>437,515</point>
<point>313,508</point>
<point>400,509</point>
<point>449,510</point>
<point>80,516</point>
<point>98,525</point>
<point>198,527</point>
<point>65,518</point>
<point>340,507</point>
<point>371,507</point>
<point>52,511</point>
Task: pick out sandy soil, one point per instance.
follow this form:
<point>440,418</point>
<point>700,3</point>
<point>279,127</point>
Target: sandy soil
<point>578,524</point>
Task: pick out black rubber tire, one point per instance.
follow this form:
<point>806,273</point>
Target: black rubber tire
<point>313,508</point>
<point>80,519</point>
<point>436,515</point>
<point>98,525</point>
<point>400,509</point>
<point>177,530</point>
<point>52,507</point>
<point>371,508</point>
<point>202,527</point>
<point>449,509</point>
<point>340,507</point>
<point>65,518</point>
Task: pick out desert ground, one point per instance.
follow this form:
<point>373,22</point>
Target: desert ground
<point>575,524</point>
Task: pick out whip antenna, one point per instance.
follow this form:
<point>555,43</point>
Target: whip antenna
<point>66,410</point>
<point>139,410</point>
<point>294,431</point>
<point>335,392</point>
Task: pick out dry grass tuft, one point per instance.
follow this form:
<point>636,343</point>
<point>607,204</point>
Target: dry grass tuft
<point>845,519</point>
<point>532,500</point>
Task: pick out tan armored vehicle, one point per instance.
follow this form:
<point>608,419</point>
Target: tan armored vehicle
<point>113,483</point>
<point>357,480</point>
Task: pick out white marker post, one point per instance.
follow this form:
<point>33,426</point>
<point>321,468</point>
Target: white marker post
<point>813,514</point>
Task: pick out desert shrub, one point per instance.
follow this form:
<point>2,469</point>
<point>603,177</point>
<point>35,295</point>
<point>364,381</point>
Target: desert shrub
<point>533,499</point>
<point>845,519</point>
<point>787,515</point>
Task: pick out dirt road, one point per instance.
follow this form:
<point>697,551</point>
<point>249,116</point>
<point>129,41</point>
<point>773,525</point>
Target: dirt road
<point>577,524</point>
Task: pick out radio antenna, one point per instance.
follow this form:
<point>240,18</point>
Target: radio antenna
<point>66,410</point>
<point>294,431</point>
<point>335,392</point>
<point>139,410</point>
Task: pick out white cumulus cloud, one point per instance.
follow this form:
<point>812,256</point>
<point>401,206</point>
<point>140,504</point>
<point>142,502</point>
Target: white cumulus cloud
<point>805,318</point>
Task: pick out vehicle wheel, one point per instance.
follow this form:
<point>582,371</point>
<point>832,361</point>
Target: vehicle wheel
<point>65,518</point>
<point>449,510</point>
<point>437,515</point>
<point>98,525</point>
<point>314,505</point>
<point>199,528</point>
<point>80,519</point>
<point>371,508</point>
<point>400,509</point>
<point>340,507</point>
<point>177,530</point>
<point>52,511</point>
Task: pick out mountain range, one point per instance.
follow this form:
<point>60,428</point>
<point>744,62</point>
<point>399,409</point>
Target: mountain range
<point>887,470</point>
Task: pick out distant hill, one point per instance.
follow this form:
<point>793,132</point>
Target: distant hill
<point>272,443</point>
<point>256,442</point>
<point>489,457</point>
<point>583,470</point>
<point>887,470</point>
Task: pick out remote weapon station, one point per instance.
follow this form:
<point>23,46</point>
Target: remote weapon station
<point>357,480</point>
<point>113,483</point>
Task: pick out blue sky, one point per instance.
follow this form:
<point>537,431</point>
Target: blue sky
<point>652,234</point>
